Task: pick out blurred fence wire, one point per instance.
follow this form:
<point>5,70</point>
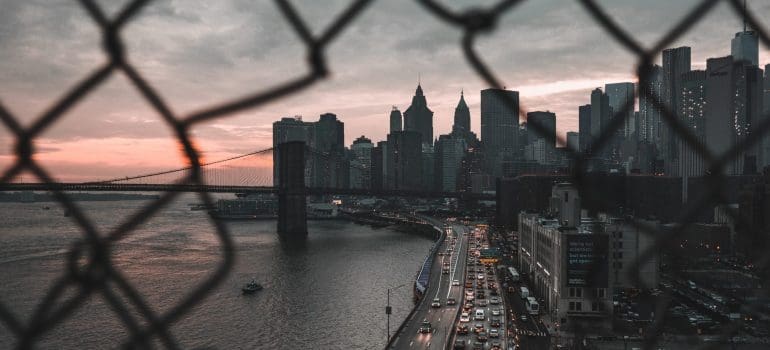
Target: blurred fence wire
<point>98,276</point>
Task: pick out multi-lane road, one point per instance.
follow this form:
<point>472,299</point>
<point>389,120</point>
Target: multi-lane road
<point>441,318</point>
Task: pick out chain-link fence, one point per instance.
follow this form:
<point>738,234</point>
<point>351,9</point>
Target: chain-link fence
<point>92,277</point>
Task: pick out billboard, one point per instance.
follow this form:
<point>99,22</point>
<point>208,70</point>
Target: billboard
<point>587,260</point>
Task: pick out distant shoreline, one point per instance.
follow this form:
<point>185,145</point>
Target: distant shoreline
<point>33,197</point>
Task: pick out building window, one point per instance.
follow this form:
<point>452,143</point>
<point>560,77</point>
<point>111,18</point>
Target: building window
<point>578,306</point>
<point>594,306</point>
<point>571,306</point>
<point>579,292</point>
<point>620,244</point>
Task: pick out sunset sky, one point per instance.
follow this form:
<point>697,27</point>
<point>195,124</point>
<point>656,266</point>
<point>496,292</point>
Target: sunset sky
<point>198,53</point>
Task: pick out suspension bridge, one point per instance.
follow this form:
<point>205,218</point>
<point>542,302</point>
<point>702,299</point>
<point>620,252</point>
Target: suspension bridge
<point>249,173</point>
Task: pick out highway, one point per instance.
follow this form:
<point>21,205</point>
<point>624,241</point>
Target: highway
<point>441,318</point>
<point>482,295</point>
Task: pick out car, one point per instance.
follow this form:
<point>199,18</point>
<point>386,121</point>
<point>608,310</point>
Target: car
<point>482,337</point>
<point>496,345</point>
<point>469,284</point>
<point>480,277</point>
<point>523,318</point>
<point>469,292</point>
<point>478,327</point>
<point>425,327</point>
<point>451,301</point>
<point>467,307</point>
<point>445,271</point>
<point>494,322</point>
<point>469,297</point>
<point>496,312</point>
<point>494,333</point>
<point>494,300</point>
<point>436,303</point>
<point>481,302</point>
<point>471,278</point>
<point>477,345</point>
<point>459,344</point>
<point>456,282</point>
<point>465,317</point>
<point>462,329</point>
<point>493,291</point>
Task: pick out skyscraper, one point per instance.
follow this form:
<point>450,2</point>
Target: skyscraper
<point>449,155</point>
<point>649,114</point>
<point>462,119</point>
<point>290,129</point>
<point>600,116</point>
<point>395,120</point>
<point>419,118</point>
<point>722,121</point>
<point>693,103</point>
<point>361,164</point>
<point>619,94</point>
<point>573,140</point>
<point>499,126</point>
<point>545,122</point>
<point>676,62</point>
<point>745,46</point>
<point>328,169</point>
<point>766,111</point>
<point>404,160</point>
<point>584,127</point>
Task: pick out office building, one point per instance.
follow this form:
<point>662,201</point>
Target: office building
<point>419,118</point>
<point>745,47</point>
<point>462,120</point>
<point>620,95</point>
<point>328,168</point>
<point>291,129</point>
<point>573,141</point>
<point>766,112</point>
<point>361,164</point>
<point>450,152</point>
<point>692,112</point>
<point>404,161</point>
<point>499,127</point>
<point>676,62</point>
<point>649,113</point>
<point>395,120</point>
<point>541,131</point>
<point>600,118</point>
<point>584,127</point>
<point>576,263</point>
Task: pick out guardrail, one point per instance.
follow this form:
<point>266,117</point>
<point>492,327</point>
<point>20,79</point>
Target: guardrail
<point>410,316</point>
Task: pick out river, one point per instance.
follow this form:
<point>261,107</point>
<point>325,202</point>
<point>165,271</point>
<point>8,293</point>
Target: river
<point>331,294</point>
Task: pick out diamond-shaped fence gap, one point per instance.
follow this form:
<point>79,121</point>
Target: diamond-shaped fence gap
<point>215,53</point>
<point>165,265</point>
<point>106,137</point>
<point>31,259</point>
<point>644,22</point>
<point>209,255</point>
<point>551,46</point>
<point>44,53</point>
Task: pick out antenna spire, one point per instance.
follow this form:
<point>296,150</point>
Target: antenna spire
<point>744,16</point>
<point>418,78</point>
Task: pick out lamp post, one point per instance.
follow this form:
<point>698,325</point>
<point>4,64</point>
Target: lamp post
<point>388,311</point>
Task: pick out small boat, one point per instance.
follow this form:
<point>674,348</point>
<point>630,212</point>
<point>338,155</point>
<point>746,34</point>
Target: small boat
<point>252,287</point>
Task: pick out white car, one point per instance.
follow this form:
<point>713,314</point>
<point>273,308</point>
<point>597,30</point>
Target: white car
<point>494,333</point>
<point>465,317</point>
<point>456,282</point>
<point>480,276</point>
<point>494,300</point>
<point>496,312</point>
<point>436,303</point>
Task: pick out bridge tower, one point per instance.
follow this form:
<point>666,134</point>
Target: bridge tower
<point>292,216</point>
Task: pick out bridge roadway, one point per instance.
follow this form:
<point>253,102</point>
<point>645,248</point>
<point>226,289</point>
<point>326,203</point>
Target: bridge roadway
<point>442,319</point>
<point>118,187</point>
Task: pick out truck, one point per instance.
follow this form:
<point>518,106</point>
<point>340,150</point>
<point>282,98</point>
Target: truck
<point>524,292</point>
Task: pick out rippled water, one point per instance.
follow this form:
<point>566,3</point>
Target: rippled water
<point>329,295</point>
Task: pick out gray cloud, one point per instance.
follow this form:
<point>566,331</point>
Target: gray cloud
<point>197,53</point>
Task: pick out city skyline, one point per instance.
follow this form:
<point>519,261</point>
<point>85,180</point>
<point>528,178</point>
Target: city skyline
<point>114,119</point>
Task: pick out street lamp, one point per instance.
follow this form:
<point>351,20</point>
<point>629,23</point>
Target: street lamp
<point>388,311</point>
